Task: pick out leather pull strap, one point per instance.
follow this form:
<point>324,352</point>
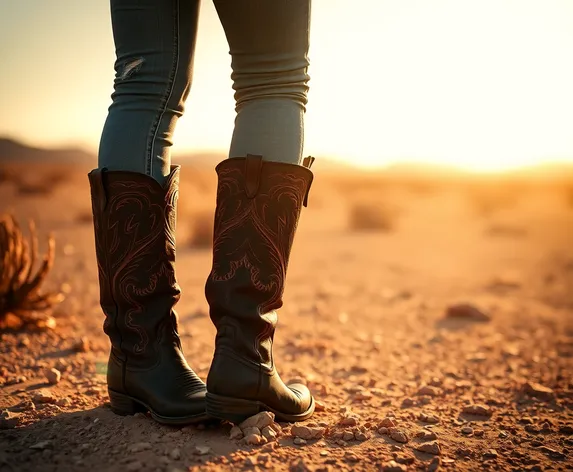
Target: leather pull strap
<point>253,170</point>
<point>307,162</point>
<point>99,187</point>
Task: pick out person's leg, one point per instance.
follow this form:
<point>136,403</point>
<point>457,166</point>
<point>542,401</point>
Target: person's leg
<point>268,42</point>
<point>261,192</point>
<point>154,42</point>
<point>134,204</point>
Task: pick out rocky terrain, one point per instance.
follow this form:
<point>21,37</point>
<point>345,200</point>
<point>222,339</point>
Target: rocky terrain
<point>432,320</point>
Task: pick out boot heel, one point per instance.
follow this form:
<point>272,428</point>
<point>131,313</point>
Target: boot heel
<point>123,405</point>
<point>231,409</point>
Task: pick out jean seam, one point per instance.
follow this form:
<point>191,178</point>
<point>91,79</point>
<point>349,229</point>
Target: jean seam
<point>168,93</point>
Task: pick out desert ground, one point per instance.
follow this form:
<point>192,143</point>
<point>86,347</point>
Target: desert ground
<point>431,315</point>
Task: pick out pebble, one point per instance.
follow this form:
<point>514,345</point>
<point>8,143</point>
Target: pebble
<point>306,432</point>
<point>134,466</point>
<point>53,376</point>
<point>348,436</point>
<point>82,344</point>
<point>268,433</point>
<point>537,390</point>
<point>491,454</point>
<point>44,396</point>
<point>429,448</point>
<point>64,401</point>
<point>434,464</point>
<point>394,466</point>
<point>430,419</point>
<point>467,430</point>
<point>236,433</point>
<point>299,441</point>
<point>140,446</point>
<point>319,406</point>
<point>351,420</point>
<point>477,410</point>
<point>201,450</point>
<point>399,436</point>
<point>46,444</point>
<point>407,402</point>
<point>466,311</point>
<point>387,423</point>
<point>429,391</point>
<point>254,439</point>
<point>260,420</point>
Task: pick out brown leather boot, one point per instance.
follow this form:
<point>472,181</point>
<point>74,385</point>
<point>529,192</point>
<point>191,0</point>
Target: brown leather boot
<point>134,220</point>
<point>258,207</point>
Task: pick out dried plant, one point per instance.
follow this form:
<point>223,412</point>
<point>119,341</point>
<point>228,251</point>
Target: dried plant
<point>21,302</point>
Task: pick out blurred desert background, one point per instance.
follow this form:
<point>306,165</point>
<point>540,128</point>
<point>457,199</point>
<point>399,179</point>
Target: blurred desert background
<point>429,300</point>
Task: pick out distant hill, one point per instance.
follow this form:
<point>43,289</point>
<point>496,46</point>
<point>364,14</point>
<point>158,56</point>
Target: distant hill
<point>14,151</point>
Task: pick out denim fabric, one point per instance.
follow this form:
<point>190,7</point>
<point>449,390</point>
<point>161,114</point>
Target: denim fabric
<point>155,43</point>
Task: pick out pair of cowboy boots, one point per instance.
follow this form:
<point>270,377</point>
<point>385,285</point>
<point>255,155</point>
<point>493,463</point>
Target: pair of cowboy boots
<point>258,207</point>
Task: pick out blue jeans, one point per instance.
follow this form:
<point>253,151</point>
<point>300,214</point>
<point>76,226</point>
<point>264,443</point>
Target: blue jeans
<point>155,43</point>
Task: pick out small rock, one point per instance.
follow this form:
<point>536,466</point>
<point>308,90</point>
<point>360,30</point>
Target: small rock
<point>351,420</point>
<point>260,420</point>
<point>140,446</point>
<point>399,436</point>
<point>430,419</point>
<point>236,433</point>
<point>466,311</point>
<point>537,390</point>
<point>407,402</point>
<point>360,436</point>
<point>44,396</point>
<point>47,444</point>
<point>478,433</point>
<point>269,433</point>
<point>250,462</point>
<point>251,430</point>
<point>175,454</point>
<point>348,436</point>
<point>429,448</point>
<point>434,464</point>
<point>254,439</point>
<point>82,345</point>
<point>201,450</point>
<point>299,441</point>
<point>306,432</point>
<point>394,466</point>
<point>467,430</point>
<point>64,401</point>
<point>53,376</point>
<point>491,454</point>
<point>387,423</point>
<point>566,429</point>
<point>477,410</point>
<point>383,431</point>
<point>134,466</point>
<point>9,420</point>
<point>319,406</point>
<point>429,391</point>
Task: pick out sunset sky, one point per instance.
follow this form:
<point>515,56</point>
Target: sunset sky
<point>481,84</point>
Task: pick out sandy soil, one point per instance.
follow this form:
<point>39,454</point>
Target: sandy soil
<point>368,324</point>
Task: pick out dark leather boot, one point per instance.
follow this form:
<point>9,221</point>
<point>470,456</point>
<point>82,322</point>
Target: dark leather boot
<point>258,207</point>
<point>134,220</point>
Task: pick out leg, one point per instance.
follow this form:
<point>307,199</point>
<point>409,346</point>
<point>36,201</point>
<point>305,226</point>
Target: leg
<point>259,200</point>
<point>155,42</point>
<point>134,214</point>
<point>268,42</point>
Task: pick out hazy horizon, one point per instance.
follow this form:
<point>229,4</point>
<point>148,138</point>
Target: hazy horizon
<point>482,85</point>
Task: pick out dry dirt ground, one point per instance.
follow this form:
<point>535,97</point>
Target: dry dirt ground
<point>375,322</point>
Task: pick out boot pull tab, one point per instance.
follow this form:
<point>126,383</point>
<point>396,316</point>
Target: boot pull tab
<point>99,187</point>
<point>253,170</point>
<point>307,161</point>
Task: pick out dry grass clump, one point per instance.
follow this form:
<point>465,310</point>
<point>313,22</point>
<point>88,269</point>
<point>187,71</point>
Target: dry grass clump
<point>371,216</point>
<point>21,302</point>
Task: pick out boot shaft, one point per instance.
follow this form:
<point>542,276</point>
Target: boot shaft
<point>134,225</point>
<point>258,208</point>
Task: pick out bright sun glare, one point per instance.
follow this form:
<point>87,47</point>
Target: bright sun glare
<point>483,85</point>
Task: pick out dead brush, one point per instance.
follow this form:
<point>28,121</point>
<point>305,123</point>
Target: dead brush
<point>371,216</point>
<point>22,304</point>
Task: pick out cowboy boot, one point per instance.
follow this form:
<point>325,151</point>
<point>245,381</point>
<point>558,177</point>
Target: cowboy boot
<point>134,222</point>
<point>258,207</point>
